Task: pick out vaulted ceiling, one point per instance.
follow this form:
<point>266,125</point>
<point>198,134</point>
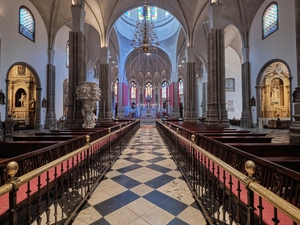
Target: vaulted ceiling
<point>101,15</point>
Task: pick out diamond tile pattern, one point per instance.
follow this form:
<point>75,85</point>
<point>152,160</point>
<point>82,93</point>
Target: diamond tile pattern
<point>143,187</point>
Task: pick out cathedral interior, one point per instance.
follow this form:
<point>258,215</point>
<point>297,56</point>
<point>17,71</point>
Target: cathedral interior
<point>73,65</point>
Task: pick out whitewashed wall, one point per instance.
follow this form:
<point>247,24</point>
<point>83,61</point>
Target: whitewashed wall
<point>62,71</point>
<point>233,70</point>
<point>279,45</point>
<point>17,48</point>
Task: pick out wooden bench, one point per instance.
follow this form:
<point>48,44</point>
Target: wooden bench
<point>234,134</point>
<point>44,137</point>
<point>15,148</point>
<point>287,155</point>
<point>242,139</point>
<point>269,149</point>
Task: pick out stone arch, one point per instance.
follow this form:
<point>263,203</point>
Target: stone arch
<point>273,91</point>
<point>24,95</point>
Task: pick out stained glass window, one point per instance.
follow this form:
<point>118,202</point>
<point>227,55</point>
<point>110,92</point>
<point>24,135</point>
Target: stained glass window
<point>230,84</point>
<point>270,20</point>
<point>164,90</point>
<point>152,13</point>
<point>67,53</point>
<point>149,89</point>
<point>128,13</point>
<point>180,87</point>
<point>27,23</point>
<point>133,90</point>
<point>116,87</point>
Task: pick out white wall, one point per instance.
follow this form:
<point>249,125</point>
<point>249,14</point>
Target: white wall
<point>17,48</point>
<point>233,70</point>
<point>62,71</point>
<point>279,45</point>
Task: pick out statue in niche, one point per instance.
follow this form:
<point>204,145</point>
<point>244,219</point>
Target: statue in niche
<point>32,104</point>
<point>44,103</point>
<point>22,100</point>
<point>275,95</point>
<point>2,98</point>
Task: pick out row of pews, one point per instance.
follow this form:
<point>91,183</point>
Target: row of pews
<point>58,142</point>
<point>257,144</point>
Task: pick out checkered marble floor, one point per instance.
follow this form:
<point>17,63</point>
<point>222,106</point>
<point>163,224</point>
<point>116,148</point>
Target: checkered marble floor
<point>143,187</point>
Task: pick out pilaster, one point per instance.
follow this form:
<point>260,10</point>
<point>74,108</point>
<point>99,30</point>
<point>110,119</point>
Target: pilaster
<point>246,114</point>
<point>295,127</point>
<point>50,115</point>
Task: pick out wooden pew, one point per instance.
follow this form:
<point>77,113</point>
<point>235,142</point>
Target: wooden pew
<point>242,139</point>
<point>208,134</point>
<point>15,148</point>
<point>44,137</point>
<point>287,155</point>
<point>268,149</point>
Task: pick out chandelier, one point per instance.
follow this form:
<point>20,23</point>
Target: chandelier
<point>145,37</point>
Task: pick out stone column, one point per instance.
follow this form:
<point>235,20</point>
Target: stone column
<point>37,124</point>
<point>216,102</point>
<point>121,112</point>
<point>190,90</point>
<point>105,113</point>
<point>295,127</point>
<point>175,112</point>
<point>51,73</point>
<point>77,66</point>
<point>246,114</point>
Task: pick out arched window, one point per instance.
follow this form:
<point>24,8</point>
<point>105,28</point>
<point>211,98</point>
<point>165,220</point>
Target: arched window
<point>116,87</point>
<point>152,13</point>
<point>27,23</point>
<point>164,90</point>
<point>133,90</point>
<point>149,89</point>
<point>270,20</point>
<point>180,83</point>
<point>230,84</point>
<point>67,53</point>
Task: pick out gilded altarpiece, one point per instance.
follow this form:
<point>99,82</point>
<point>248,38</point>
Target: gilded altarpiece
<point>276,92</point>
<point>21,95</point>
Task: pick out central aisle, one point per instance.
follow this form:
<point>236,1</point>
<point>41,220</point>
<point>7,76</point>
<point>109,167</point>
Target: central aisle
<point>143,187</point>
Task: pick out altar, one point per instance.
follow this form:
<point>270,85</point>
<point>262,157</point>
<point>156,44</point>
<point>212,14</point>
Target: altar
<point>148,113</point>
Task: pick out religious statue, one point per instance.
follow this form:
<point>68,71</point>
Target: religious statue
<point>22,100</point>
<point>32,104</point>
<point>252,101</point>
<point>2,98</point>
<point>44,103</point>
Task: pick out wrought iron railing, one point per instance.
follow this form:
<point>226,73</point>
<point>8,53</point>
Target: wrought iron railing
<point>53,192</point>
<point>229,192</point>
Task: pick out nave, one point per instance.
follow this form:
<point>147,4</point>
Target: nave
<point>143,187</point>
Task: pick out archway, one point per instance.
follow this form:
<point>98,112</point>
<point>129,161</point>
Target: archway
<point>275,95</point>
<point>23,94</point>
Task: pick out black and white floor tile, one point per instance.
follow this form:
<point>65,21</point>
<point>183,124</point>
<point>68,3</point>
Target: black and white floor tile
<point>143,187</point>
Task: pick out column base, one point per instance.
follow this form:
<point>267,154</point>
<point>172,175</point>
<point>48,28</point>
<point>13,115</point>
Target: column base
<point>246,120</point>
<point>295,133</point>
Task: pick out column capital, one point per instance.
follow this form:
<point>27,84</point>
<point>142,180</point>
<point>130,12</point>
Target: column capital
<point>78,16</point>
<point>214,14</point>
